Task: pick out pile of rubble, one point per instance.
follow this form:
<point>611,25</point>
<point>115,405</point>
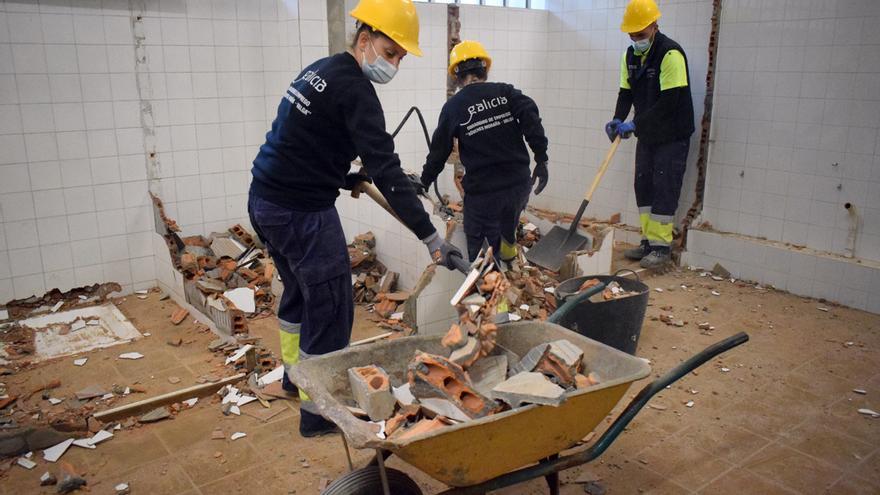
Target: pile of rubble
<point>227,276</point>
<point>375,285</point>
<point>612,291</point>
<point>477,378</point>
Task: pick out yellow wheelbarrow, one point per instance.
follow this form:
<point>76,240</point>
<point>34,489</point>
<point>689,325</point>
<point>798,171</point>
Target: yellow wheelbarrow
<point>492,452</point>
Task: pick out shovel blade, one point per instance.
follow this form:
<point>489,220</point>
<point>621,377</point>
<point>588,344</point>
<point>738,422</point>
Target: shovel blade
<point>551,250</point>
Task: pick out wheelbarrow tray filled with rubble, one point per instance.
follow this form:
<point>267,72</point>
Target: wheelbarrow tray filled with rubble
<point>481,451</point>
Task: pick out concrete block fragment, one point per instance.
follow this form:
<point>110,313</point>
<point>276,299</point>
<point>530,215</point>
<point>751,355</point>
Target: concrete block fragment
<point>562,362</point>
<point>488,372</point>
<point>371,389</point>
<point>529,388</point>
<point>455,338</point>
<point>434,376</point>
<point>466,355</point>
<point>530,361</point>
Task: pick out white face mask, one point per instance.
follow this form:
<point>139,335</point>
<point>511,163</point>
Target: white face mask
<point>381,71</point>
<point>641,46</point>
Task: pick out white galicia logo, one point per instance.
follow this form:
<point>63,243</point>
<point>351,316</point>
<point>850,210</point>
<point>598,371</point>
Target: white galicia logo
<point>315,80</point>
<point>483,106</point>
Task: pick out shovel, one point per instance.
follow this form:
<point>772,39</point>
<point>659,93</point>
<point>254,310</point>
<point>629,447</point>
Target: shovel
<point>551,250</point>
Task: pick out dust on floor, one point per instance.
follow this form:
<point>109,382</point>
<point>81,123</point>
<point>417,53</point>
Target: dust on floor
<point>783,418</point>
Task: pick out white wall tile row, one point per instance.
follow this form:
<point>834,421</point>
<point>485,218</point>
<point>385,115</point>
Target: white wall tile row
<point>797,133</point>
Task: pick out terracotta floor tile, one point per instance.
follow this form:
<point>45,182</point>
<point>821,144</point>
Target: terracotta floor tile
<point>158,477</point>
<point>845,416</point>
<point>261,479</point>
<point>870,468</point>
<point>125,451</point>
<point>764,419</point>
<point>740,481</point>
<point>194,426</point>
<point>826,443</point>
<point>728,442</point>
<point>853,485</point>
<point>153,362</point>
<point>203,468</point>
<point>683,461</point>
<point>792,469</point>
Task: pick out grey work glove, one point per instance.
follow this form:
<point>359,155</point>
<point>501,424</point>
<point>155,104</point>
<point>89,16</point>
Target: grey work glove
<point>540,176</point>
<point>441,251</point>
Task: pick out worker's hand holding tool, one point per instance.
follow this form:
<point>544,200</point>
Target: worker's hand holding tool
<point>416,182</point>
<point>442,251</point>
<point>626,129</point>
<point>540,175</point>
<point>353,179</point>
<point>611,129</point>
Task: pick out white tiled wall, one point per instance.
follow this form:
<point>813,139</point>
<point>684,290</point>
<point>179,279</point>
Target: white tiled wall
<point>804,272</point>
<point>74,207</point>
<point>797,123</point>
<point>584,49</point>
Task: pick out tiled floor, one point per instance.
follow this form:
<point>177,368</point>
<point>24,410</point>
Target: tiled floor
<point>783,420</point>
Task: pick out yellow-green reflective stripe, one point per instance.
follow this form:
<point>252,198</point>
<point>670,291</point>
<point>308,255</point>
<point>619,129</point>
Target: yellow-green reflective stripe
<point>508,251</point>
<point>659,233</point>
<point>624,73</point>
<point>303,396</point>
<point>673,71</point>
<point>644,218</point>
<point>289,347</point>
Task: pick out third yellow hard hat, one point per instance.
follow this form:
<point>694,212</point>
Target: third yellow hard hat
<point>467,50</point>
<point>638,15</point>
<point>396,19</point>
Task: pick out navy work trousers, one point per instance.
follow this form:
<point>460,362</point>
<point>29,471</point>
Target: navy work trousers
<point>311,257</point>
<point>493,216</point>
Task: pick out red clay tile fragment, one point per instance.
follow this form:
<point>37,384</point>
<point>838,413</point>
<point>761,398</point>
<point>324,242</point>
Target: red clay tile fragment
<point>179,315</point>
<point>455,338</point>
<point>434,376</point>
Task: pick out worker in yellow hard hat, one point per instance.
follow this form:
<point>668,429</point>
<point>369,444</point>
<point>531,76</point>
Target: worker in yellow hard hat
<point>490,121</point>
<point>654,79</point>
<point>329,115</point>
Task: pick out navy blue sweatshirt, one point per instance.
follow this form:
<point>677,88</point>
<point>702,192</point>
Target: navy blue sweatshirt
<point>490,120</point>
<point>330,115</point>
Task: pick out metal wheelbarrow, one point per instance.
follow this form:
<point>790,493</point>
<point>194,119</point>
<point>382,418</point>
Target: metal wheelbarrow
<point>495,451</point>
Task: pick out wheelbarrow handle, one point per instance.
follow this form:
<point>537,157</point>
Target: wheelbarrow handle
<point>545,468</point>
<point>572,301</point>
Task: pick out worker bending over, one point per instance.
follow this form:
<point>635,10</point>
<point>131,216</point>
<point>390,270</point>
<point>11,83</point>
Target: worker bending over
<point>654,79</point>
<point>329,115</point>
<point>489,120</point>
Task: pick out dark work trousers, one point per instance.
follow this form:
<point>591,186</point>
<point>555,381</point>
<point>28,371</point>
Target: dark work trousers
<point>492,216</point>
<point>310,254</point>
<point>659,174</point>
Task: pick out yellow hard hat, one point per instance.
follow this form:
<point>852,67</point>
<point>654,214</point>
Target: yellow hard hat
<point>467,50</point>
<point>638,15</point>
<point>396,19</point>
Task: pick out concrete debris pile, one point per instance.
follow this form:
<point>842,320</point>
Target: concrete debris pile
<point>477,378</point>
<point>613,290</point>
<point>375,285</point>
<point>527,233</point>
<point>531,295</point>
<point>227,276</point>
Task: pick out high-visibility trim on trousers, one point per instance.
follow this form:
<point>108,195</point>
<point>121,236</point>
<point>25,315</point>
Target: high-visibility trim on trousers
<point>508,250</point>
<point>644,217</point>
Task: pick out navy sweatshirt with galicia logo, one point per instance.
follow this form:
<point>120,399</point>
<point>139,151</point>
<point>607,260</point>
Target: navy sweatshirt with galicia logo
<point>490,121</point>
<point>329,115</point>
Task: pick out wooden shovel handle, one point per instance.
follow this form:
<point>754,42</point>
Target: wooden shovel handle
<point>602,169</point>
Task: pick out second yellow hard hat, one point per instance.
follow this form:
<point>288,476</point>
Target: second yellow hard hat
<point>466,50</point>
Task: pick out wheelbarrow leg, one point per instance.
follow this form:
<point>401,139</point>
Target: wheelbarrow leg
<point>347,453</point>
<point>553,478</point>
<point>380,459</point>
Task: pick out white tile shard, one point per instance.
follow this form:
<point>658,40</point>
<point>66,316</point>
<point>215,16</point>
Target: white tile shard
<point>271,377</point>
<point>80,362</point>
<point>131,355</point>
<point>52,454</point>
<point>26,463</point>
<point>239,353</point>
<point>242,298</point>
<point>237,435</point>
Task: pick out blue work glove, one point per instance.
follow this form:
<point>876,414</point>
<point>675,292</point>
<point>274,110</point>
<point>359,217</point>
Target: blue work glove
<point>540,176</point>
<point>441,251</point>
<point>353,179</point>
<point>611,129</point>
<point>626,129</point>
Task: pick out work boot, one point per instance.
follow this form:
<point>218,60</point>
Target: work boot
<point>288,385</point>
<point>638,253</point>
<point>656,259</point>
<point>314,425</point>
